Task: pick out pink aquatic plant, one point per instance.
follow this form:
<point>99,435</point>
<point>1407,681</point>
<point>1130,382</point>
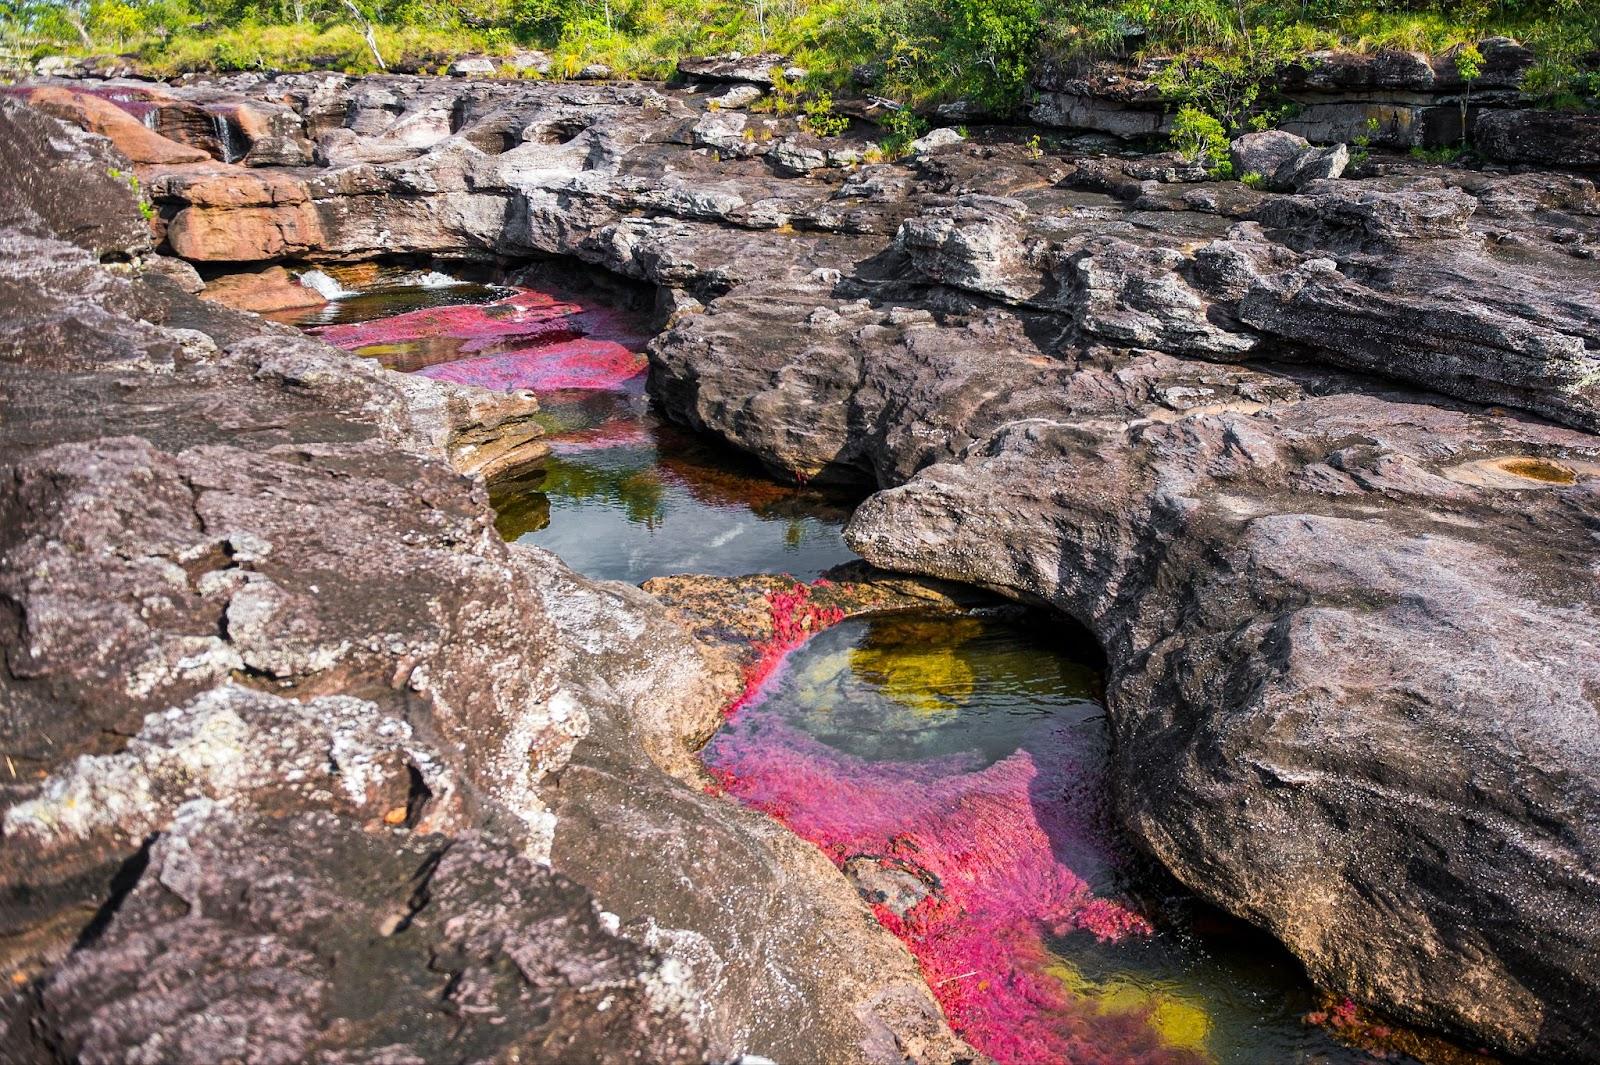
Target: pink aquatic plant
<point>531,340</point>
<point>795,619</point>
<point>525,314</point>
<point>993,844</point>
<point>574,364</point>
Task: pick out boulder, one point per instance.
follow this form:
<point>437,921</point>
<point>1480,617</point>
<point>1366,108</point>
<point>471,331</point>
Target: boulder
<point>729,132</point>
<point>799,155</point>
<point>943,137</point>
<point>262,291</point>
<point>1264,153</point>
<point>58,66</point>
<point>1314,164</point>
<point>131,137</point>
<point>471,66</point>
<point>536,61</point>
<point>737,96</point>
<point>179,272</point>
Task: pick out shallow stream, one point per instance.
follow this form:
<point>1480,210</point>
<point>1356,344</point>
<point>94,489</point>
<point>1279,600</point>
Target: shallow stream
<point>952,766</point>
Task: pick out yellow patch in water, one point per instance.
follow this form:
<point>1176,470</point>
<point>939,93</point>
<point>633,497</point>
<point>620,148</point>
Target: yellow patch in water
<point>1179,1022</point>
<point>1536,469</point>
<point>929,680</point>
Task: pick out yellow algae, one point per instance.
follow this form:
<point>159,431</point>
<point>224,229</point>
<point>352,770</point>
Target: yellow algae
<point>1178,1021</point>
<point>919,664</point>
<point>932,681</point>
<point>1536,469</point>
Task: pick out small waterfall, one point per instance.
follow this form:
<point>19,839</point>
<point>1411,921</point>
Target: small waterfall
<point>325,286</point>
<point>225,139</point>
<point>149,119</point>
<point>434,279</point>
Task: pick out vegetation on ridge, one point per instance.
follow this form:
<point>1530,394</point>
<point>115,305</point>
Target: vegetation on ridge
<point>913,50</point>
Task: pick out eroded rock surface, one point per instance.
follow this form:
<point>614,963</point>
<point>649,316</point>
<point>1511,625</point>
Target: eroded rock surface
<point>287,721</point>
<point>1318,468</point>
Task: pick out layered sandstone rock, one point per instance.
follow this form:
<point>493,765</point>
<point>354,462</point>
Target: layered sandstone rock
<point>98,115</point>
<point>1394,98</point>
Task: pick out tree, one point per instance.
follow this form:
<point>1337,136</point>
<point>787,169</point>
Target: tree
<point>366,31</point>
<point>1469,64</point>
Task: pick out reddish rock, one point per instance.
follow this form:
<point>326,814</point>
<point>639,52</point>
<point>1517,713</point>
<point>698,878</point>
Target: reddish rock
<point>263,291</point>
<point>79,198</point>
<point>132,138</point>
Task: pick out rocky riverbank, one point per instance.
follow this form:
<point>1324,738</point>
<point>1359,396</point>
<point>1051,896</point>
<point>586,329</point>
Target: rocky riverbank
<point>1318,468</point>
<point>289,726</point>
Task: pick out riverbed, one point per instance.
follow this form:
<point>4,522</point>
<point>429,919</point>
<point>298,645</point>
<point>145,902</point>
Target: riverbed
<point>952,767</point>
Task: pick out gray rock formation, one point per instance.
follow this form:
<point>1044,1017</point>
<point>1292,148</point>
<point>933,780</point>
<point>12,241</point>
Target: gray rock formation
<point>285,716</point>
<point>1319,469</point>
<point>305,937</point>
<point>1284,162</point>
<point>1542,138</point>
<point>737,68</point>
<point>84,199</point>
<point>1392,98</point>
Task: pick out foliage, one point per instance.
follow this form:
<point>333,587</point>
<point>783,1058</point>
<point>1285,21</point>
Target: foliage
<point>1443,154</point>
<point>903,126</point>
<point>1200,138</point>
<point>1469,65</point>
<point>1228,86</point>
<point>147,210</point>
<point>1254,180</point>
<point>918,51</point>
<point>820,117</point>
<point>1361,143</point>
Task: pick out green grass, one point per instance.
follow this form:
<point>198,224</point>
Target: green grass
<point>919,51</point>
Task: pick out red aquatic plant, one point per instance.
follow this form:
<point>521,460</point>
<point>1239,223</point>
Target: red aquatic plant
<point>531,340</point>
<point>795,619</point>
<point>573,364</point>
<point>996,844</point>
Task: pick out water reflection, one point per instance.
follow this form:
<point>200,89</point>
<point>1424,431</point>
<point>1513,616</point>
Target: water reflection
<point>625,496</point>
<point>366,306</point>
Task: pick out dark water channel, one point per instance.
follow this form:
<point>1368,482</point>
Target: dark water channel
<point>953,767</point>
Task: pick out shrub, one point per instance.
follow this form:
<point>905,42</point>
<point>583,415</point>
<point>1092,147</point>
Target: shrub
<point>1200,139</point>
<point>1445,154</point>
<point>821,119</point>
